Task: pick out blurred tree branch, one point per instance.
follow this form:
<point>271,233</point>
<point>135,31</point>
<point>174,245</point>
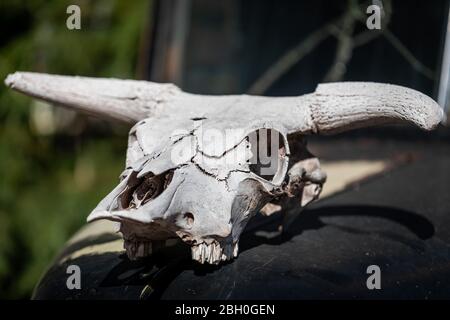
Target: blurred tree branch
<point>342,29</point>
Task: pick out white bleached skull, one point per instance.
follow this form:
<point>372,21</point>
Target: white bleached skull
<point>199,167</point>
<point>193,186</point>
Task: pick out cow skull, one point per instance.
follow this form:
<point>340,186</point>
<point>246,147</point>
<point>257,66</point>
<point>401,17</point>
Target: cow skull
<point>194,168</point>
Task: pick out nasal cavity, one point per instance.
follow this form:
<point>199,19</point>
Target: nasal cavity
<point>139,191</point>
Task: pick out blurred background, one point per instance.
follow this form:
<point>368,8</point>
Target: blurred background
<point>55,165</point>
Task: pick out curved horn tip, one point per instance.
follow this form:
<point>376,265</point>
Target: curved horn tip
<point>437,118</point>
<point>19,79</point>
<point>12,78</point>
<point>423,111</point>
<point>341,106</point>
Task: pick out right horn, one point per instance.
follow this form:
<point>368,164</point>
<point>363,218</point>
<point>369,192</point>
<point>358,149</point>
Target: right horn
<point>342,106</point>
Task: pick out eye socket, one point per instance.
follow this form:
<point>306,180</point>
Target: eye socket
<point>268,153</point>
<point>139,191</point>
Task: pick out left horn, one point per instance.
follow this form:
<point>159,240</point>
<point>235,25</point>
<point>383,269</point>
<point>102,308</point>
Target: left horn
<point>124,100</point>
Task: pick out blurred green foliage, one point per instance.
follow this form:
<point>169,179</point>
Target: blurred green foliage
<point>50,182</point>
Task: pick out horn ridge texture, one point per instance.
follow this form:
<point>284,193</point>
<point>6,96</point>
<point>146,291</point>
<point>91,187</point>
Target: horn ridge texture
<point>343,106</point>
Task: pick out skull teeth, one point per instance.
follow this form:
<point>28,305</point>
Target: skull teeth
<point>213,253</point>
